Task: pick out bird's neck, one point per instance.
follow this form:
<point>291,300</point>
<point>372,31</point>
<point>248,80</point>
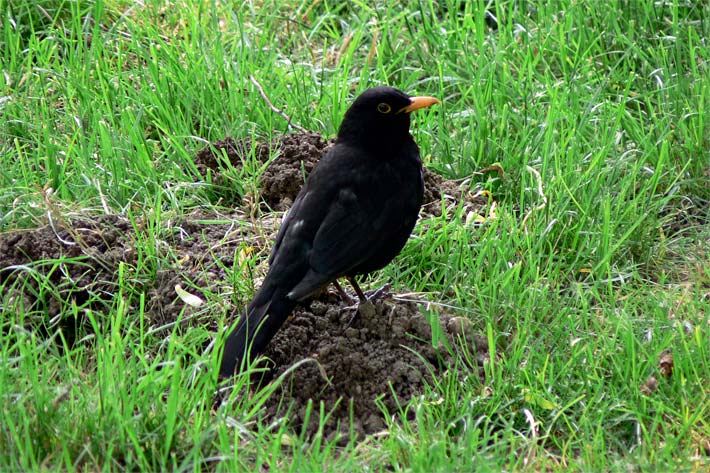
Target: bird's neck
<point>375,141</point>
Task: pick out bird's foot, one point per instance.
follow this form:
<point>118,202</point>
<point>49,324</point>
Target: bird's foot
<point>369,297</point>
<point>368,301</point>
<point>344,295</point>
<point>381,293</point>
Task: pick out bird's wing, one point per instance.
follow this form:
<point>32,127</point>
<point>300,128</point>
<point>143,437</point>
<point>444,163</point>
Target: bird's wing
<point>348,236</point>
<point>345,237</point>
<point>285,224</point>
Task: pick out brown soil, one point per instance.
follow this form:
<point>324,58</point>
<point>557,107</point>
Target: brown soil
<point>203,249</point>
<point>78,258</point>
<point>359,358</point>
<point>298,154</point>
<point>438,189</point>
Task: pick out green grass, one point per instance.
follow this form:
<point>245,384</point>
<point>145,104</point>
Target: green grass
<point>596,261</point>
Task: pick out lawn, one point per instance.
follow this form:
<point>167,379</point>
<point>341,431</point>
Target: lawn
<point>584,126</point>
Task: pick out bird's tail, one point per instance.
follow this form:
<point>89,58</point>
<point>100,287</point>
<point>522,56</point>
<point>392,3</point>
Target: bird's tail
<point>263,318</point>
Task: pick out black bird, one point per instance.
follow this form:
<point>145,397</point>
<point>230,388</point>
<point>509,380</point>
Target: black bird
<point>353,216</point>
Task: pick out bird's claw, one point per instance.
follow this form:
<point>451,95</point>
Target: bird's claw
<point>381,293</point>
<point>370,299</point>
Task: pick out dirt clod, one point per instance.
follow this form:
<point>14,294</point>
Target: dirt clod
<point>665,364</point>
<point>650,386</point>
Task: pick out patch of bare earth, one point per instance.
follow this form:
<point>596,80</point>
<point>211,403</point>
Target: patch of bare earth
<point>73,262</point>
<point>381,353</point>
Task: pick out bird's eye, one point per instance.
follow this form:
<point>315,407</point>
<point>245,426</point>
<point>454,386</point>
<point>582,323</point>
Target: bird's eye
<point>384,108</point>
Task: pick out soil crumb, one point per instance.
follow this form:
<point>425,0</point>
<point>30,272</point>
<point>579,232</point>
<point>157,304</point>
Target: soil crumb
<point>385,348</point>
<point>296,156</point>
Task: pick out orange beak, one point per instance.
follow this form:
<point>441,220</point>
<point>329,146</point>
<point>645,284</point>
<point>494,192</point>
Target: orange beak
<point>419,102</point>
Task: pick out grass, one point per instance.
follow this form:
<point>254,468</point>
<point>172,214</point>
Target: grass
<point>595,263</point>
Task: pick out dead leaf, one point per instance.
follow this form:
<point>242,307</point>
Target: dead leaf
<point>665,364</point>
<point>187,298</point>
<point>495,167</point>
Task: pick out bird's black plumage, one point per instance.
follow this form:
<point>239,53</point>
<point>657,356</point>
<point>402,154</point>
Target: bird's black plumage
<point>353,216</point>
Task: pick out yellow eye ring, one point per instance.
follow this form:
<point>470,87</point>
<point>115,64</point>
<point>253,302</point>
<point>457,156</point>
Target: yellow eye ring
<point>384,108</point>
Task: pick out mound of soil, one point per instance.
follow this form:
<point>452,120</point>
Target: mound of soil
<point>77,260</point>
<point>67,262</point>
<point>204,248</point>
<point>279,184</point>
<point>381,353</point>
<point>297,155</point>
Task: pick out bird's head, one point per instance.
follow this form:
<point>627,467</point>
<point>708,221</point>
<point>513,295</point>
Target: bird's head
<point>379,117</point>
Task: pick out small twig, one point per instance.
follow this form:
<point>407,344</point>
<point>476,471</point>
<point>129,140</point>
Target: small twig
<point>540,191</point>
<point>273,107</point>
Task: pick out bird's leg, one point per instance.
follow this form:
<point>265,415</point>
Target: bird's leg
<point>380,293</point>
<point>361,295</point>
<point>343,295</point>
<point>364,299</point>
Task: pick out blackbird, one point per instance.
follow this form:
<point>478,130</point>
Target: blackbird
<point>353,216</point>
